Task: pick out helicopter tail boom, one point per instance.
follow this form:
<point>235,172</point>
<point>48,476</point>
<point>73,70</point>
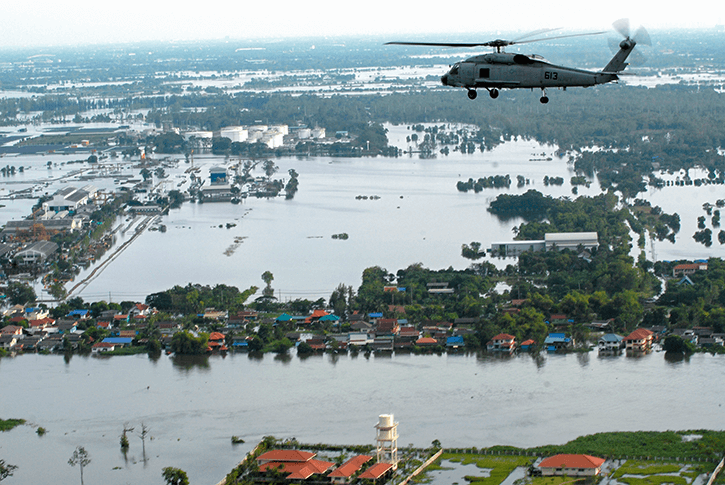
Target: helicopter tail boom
<point>618,62</point>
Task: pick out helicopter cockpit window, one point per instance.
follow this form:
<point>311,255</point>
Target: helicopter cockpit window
<point>454,69</point>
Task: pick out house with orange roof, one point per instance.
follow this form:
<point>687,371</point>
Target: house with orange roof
<point>377,473</point>
<point>216,342</point>
<point>527,345</point>
<point>139,309</point>
<point>571,465</point>
<point>502,342</point>
<point>640,340</point>
<point>103,347</point>
<point>298,465</point>
<point>316,315</point>
<point>426,342</point>
<point>346,472</point>
<point>41,323</point>
<point>688,269</point>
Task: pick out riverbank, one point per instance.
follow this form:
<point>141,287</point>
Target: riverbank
<point>631,458</point>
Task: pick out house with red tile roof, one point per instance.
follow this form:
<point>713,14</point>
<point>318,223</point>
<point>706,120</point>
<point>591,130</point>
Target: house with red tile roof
<point>688,269</point>
<point>376,472</point>
<point>571,465</point>
<point>346,472</point>
<point>12,330</point>
<point>639,340</point>
<point>103,347</point>
<point>387,326</point>
<point>298,465</point>
<point>216,342</point>
<point>316,315</point>
<point>502,342</point>
<point>284,455</point>
<point>426,342</point>
<point>41,323</point>
<point>139,309</point>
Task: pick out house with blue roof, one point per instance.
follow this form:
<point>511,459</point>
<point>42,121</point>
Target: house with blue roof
<point>611,342</point>
<point>455,342</point>
<point>118,341</point>
<point>79,314</point>
<point>558,341</point>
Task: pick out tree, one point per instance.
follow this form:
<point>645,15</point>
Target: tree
<point>6,470</point>
<point>175,476</point>
<point>677,345</point>
<point>473,251</point>
<point>144,432</point>
<point>81,458</point>
<point>21,293</point>
<point>268,277</point>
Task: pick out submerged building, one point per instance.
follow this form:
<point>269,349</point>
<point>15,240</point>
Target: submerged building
<point>552,240</point>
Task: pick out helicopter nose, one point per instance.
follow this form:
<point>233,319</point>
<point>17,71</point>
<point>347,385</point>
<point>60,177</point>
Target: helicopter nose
<point>444,80</point>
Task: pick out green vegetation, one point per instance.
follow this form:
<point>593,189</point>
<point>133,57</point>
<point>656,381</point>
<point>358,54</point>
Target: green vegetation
<point>632,467</point>
<point>500,466</point>
<point>8,424</point>
<point>668,444</point>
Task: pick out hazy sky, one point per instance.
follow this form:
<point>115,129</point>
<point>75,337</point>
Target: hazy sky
<point>71,22</point>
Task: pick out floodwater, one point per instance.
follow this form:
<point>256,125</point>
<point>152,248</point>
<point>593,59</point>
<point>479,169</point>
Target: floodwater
<point>420,217</point>
<point>193,406</point>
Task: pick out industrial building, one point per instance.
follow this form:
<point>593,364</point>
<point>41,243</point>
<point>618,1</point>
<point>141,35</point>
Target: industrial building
<point>552,240</point>
<point>37,252</point>
<point>70,198</point>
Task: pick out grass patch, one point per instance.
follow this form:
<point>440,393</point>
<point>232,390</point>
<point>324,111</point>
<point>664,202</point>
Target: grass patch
<point>653,480</point>
<point>557,480</point>
<point>8,424</point>
<point>500,466</point>
<point>634,467</point>
<point>127,351</point>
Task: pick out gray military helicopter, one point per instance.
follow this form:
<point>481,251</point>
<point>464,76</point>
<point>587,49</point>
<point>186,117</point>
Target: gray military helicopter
<point>504,70</point>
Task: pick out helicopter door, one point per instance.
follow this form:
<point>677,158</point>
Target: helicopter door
<point>467,75</point>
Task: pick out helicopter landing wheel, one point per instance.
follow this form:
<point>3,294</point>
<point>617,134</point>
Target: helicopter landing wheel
<point>493,93</point>
<point>544,98</point>
<point>472,94</point>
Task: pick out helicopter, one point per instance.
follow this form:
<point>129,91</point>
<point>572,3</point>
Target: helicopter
<point>503,70</point>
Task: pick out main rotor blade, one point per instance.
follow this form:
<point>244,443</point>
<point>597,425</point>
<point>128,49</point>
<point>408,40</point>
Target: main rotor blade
<point>436,44</point>
<point>536,32</point>
<point>491,43</point>
<point>556,37</point>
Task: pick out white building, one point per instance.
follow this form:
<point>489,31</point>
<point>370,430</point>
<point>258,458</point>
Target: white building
<point>571,240</point>
<point>234,133</point>
<point>37,252</point>
<point>552,240</point>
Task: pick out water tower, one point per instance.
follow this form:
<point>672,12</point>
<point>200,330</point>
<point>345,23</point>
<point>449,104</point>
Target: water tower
<point>387,440</point>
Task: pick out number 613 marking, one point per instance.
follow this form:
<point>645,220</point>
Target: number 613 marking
<point>551,75</point>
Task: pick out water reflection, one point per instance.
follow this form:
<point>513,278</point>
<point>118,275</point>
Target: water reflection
<point>582,358</point>
<point>285,358</point>
<point>677,358</point>
<point>189,362</point>
<point>539,359</point>
<point>154,357</point>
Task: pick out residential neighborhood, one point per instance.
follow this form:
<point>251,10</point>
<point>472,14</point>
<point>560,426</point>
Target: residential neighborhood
<point>143,328</point>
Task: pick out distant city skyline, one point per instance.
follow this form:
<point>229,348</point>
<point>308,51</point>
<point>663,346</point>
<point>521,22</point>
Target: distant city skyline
<point>81,22</point>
